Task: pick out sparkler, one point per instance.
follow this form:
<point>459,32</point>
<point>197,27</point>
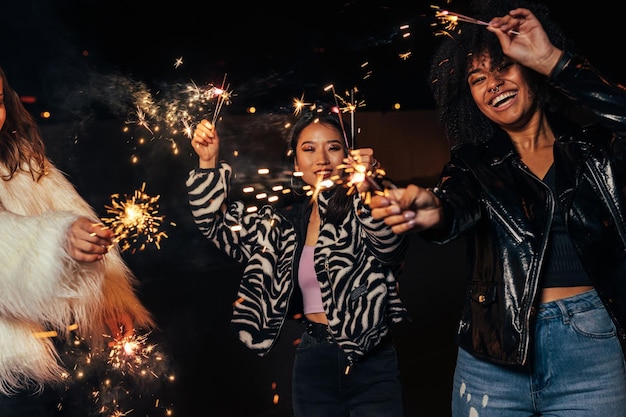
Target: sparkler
<point>351,106</point>
<point>357,174</point>
<point>451,19</point>
<point>346,106</point>
<point>135,220</point>
<point>129,354</point>
<point>120,379</point>
<point>141,119</point>
<point>299,104</point>
<point>222,98</point>
<point>343,129</point>
<point>175,110</point>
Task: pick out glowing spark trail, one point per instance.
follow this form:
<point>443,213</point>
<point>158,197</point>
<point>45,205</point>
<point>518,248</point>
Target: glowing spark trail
<point>450,20</point>
<point>223,97</point>
<point>130,375</point>
<point>358,174</point>
<point>299,104</point>
<point>331,87</point>
<point>130,353</point>
<point>141,119</point>
<point>135,220</point>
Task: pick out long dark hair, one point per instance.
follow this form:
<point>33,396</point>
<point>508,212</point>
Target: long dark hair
<point>21,144</point>
<point>461,119</point>
<point>341,202</point>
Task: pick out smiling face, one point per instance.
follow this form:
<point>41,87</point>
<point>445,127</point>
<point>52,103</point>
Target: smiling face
<point>501,92</point>
<point>319,150</point>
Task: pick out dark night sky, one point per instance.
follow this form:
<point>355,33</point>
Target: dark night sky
<point>84,60</point>
<point>270,52</point>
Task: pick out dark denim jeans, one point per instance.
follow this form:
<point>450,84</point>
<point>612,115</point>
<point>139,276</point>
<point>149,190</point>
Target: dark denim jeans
<point>321,388</point>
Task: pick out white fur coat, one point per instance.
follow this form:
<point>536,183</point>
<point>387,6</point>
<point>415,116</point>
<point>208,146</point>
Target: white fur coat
<point>42,288</point>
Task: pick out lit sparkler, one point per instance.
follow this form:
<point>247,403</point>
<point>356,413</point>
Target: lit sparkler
<point>344,106</point>
<point>299,104</point>
<point>141,119</point>
<point>351,106</point>
<point>120,379</point>
<point>331,87</point>
<point>174,111</point>
<point>450,20</point>
<point>129,354</point>
<point>223,97</point>
<point>358,174</point>
<point>135,220</point>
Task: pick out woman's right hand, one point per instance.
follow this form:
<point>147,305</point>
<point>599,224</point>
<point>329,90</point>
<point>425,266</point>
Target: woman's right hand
<point>410,209</point>
<point>88,241</point>
<point>206,144</point>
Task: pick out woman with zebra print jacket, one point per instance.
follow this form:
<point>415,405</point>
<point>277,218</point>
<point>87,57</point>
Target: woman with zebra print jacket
<point>323,260</point>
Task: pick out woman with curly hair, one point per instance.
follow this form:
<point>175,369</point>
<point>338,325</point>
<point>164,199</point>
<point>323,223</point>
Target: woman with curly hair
<point>535,184</point>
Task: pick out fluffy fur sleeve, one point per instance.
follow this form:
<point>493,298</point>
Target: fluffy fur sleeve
<point>52,287</point>
<point>39,282</point>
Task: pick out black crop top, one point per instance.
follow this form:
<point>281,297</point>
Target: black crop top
<point>563,267</point>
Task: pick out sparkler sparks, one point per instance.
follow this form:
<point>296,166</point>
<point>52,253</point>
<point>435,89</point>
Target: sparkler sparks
<point>174,111</point>
<point>299,104</point>
<point>223,97</point>
<point>450,20</point>
<point>135,220</point>
<point>141,119</point>
<point>358,174</point>
<point>347,106</point>
<point>129,354</point>
<point>129,376</point>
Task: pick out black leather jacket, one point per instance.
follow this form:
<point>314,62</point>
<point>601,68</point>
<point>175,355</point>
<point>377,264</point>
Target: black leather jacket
<point>505,214</point>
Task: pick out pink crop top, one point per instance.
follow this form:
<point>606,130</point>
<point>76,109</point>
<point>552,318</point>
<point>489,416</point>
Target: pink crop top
<point>307,279</point>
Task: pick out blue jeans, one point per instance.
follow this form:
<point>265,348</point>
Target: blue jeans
<point>577,369</point>
<point>322,389</point>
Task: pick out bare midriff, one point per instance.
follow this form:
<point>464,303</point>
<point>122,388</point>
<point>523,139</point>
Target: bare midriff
<point>556,293</point>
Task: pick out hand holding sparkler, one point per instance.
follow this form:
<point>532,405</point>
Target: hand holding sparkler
<point>407,209</point>
<point>362,169</point>
<point>135,221</point>
<point>364,174</point>
<point>88,241</point>
<point>534,49</point>
<point>452,19</point>
<point>206,143</point>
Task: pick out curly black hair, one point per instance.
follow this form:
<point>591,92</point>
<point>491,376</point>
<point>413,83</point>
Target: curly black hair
<point>461,119</point>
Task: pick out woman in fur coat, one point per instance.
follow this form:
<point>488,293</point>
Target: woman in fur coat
<point>60,271</point>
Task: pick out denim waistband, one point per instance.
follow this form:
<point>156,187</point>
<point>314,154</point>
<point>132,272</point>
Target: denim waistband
<point>318,331</point>
<point>580,302</point>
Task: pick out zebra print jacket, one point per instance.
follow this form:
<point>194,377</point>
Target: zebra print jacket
<point>354,265</point>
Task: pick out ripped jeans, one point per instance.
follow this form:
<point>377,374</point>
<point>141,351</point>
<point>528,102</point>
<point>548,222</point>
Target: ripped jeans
<point>578,369</point>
